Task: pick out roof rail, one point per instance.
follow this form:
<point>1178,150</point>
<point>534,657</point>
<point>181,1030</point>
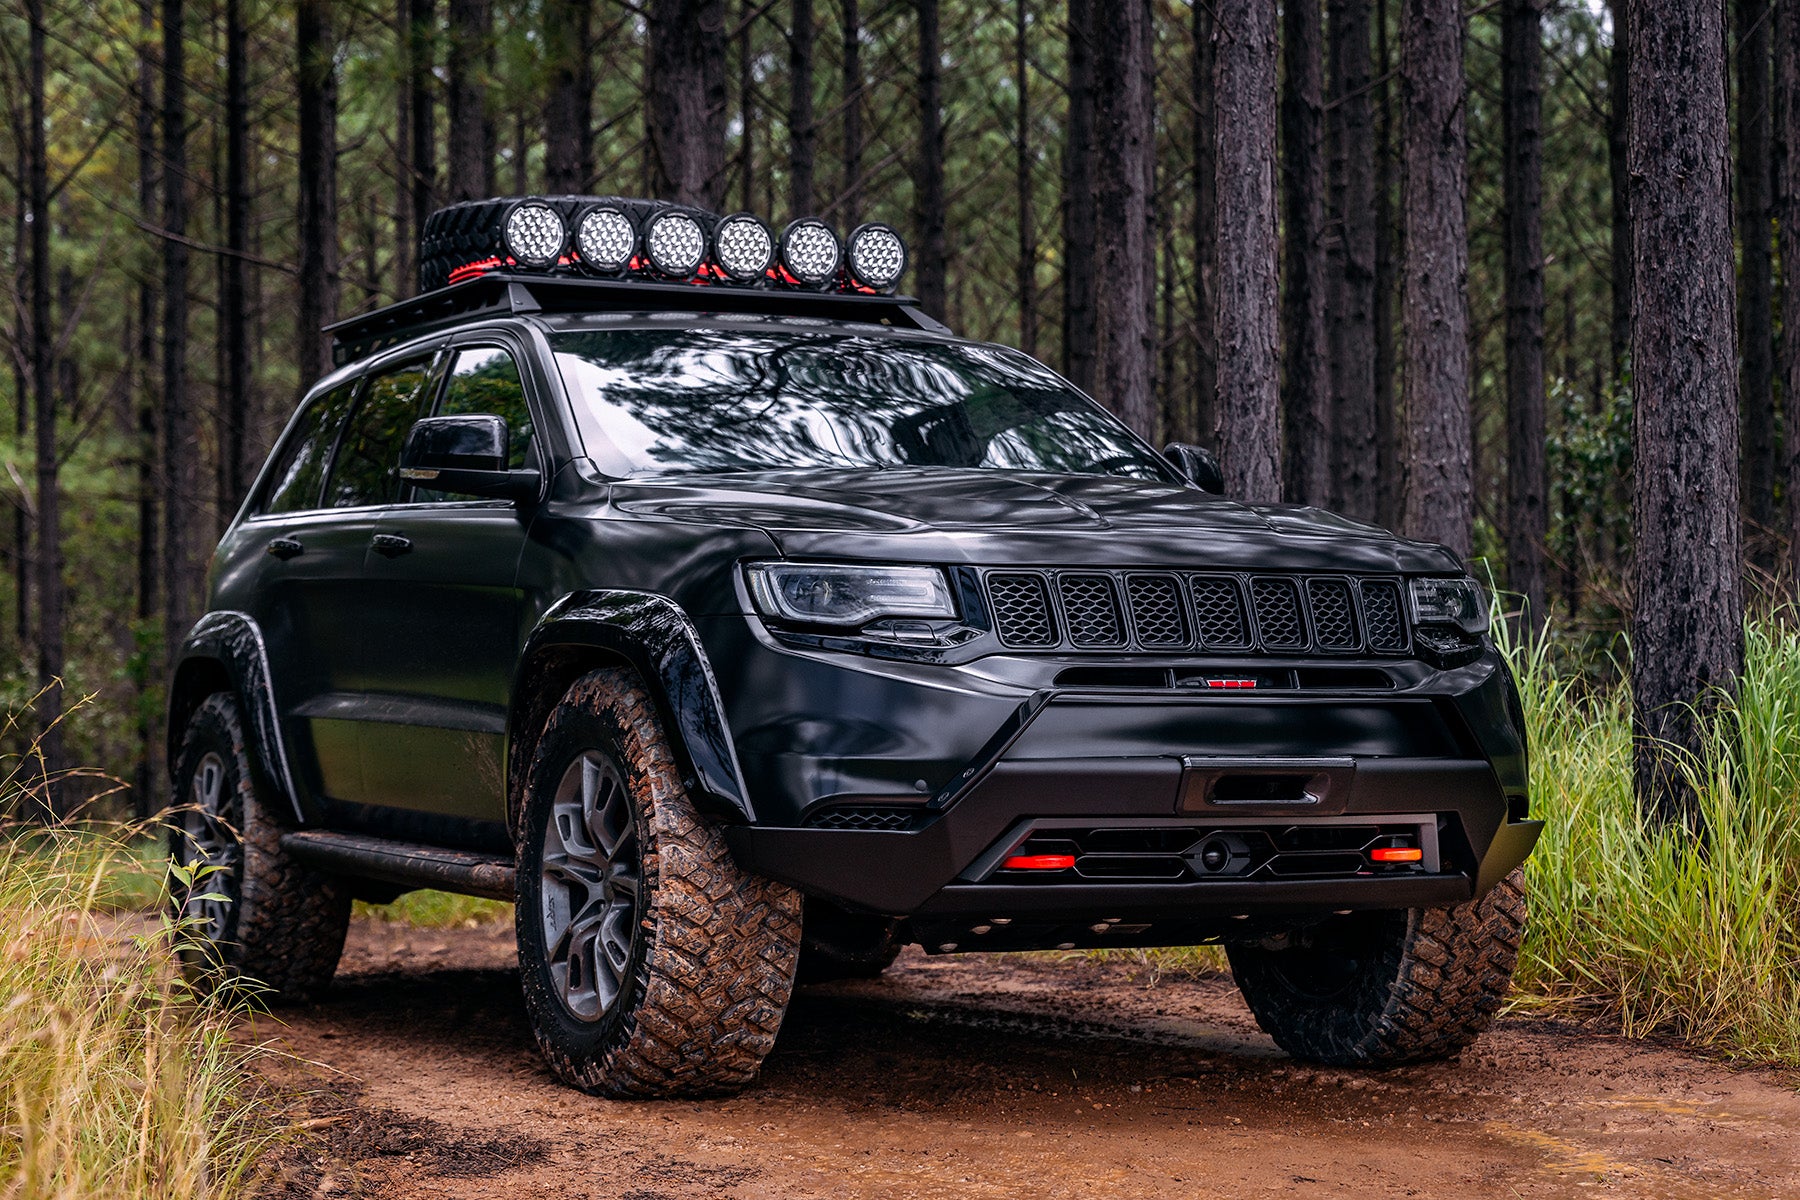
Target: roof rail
<point>502,293</point>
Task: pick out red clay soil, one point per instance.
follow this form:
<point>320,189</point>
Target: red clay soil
<point>995,1077</point>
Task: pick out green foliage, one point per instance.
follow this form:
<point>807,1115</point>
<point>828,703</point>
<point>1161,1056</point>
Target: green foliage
<point>438,910</point>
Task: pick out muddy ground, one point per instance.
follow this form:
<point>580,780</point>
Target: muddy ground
<point>996,1077</point>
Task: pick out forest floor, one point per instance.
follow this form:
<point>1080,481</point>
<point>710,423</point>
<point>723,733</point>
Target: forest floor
<point>994,1077</point>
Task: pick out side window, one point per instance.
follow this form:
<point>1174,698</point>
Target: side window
<point>363,471</point>
<point>486,380</point>
<point>299,468</point>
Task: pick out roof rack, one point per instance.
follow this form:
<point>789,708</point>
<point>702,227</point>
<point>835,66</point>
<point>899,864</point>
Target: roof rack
<point>502,293</point>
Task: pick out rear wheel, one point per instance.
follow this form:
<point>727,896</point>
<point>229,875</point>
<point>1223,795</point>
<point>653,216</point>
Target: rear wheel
<point>251,915</point>
<point>651,964</point>
<point>1387,988</point>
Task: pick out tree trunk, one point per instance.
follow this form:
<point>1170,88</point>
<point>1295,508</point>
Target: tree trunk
<point>146,795</point>
<point>928,169</point>
<point>686,86</point>
<point>1440,500</point>
<point>1756,294</point>
<point>1352,304</point>
<point>470,158</point>
<point>1306,394</point>
<point>1618,116</point>
<point>1079,344</point>
<point>420,63</point>
<point>234,295</point>
<point>1125,295</point>
<point>849,210</point>
<point>569,108</point>
<point>1206,232</point>
<point>43,779</point>
<point>1390,465</point>
<point>317,226</point>
<point>1527,481</point>
<point>746,53</point>
<point>800,111</point>
<point>180,493</point>
<point>1249,394</point>
<point>1687,628</point>
<point>1787,211</point>
<point>1026,281</point>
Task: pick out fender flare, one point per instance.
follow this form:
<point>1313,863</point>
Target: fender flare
<point>227,646</point>
<point>655,636</point>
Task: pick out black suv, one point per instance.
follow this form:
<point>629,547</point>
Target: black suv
<point>742,623</point>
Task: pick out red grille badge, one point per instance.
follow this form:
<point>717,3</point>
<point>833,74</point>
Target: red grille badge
<point>1231,683</point>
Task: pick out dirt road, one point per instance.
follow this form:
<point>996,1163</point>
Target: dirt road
<point>999,1077</point>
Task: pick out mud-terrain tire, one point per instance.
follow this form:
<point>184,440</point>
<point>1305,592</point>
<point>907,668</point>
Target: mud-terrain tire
<point>1385,989</point>
<point>278,931</point>
<point>838,944</point>
<point>654,966</point>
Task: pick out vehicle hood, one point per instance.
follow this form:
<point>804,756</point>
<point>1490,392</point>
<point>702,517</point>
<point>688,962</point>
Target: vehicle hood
<point>1016,518</point>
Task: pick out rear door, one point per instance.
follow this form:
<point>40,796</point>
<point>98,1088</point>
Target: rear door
<point>448,618</point>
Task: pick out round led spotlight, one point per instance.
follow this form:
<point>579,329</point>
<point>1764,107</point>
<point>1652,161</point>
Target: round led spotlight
<point>810,252</point>
<point>743,247</point>
<point>534,235</point>
<point>877,256</point>
<point>675,243</point>
<point>606,239</point>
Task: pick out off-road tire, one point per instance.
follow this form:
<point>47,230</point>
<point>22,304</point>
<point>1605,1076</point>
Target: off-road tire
<point>284,924</point>
<point>711,965</point>
<point>1385,989</point>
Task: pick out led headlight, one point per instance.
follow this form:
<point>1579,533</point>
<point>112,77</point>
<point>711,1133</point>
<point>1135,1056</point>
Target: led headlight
<point>675,243</point>
<point>810,251</point>
<point>743,246</point>
<point>1454,601</point>
<point>606,239</point>
<point>877,256</point>
<point>534,235</point>
<point>846,594</point>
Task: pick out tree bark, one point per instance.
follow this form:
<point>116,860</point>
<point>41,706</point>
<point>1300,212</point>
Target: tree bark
<point>317,225</point>
<point>1787,211</point>
<point>1124,295</point>
<point>470,159</point>
<point>801,132</point>
<point>1206,231</point>
<point>1026,282</point>
<point>1390,468</point>
<point>1687,627</point>
<point>1249,392</point>
<point>1351,308</point>
<point>45,790</point>
<point>1440,500</point>
<point>928,169</point>
<point>234,296</point>
<point>1756,294</point>
<point>146,795</point>
<point>1527,481</point>
<point>849,207</point>
<point>180,492</point>
<point>1618,117</point>
<point>686,95</point>
<point>569,109</point>
<point>1305,384</point>
<point>1079,344</point>
<point>420,64</point>
<point>746,85</point>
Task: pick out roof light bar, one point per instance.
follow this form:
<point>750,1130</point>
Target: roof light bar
<point>675,244</point>
<point>810,252</point>
<point>743,247</point>
<point>535,234</point>
<point>877,257</point>
<point>606,239</point>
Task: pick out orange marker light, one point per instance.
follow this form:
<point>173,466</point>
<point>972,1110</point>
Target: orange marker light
<point>1397,854</point>
<point>1039,862</point>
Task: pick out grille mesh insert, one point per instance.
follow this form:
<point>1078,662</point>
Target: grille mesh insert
<point>1381,612</point>
<point>1219,612</point>
<point>1157,612</point>
<point>1022,610</point>
<point>1091,608</point>
<point>1279,621</point>
<point>1334,614</point>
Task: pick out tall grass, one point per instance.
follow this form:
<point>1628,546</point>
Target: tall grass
<point>116,1079</point>
<point>1647,926</point>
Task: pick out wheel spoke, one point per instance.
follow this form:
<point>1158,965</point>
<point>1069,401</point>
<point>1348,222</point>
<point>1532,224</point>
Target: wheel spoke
<point>590,886</point>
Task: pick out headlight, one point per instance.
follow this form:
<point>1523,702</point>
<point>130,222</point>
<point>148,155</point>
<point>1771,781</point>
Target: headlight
<point>844,594</point>
<point>1458,602</point>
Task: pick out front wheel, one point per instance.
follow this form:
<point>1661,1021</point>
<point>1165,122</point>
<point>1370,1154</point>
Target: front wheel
<point>1387,988</point>
<point>652,965</point>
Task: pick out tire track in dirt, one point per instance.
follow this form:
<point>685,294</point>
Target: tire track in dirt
<point>997,1077</point>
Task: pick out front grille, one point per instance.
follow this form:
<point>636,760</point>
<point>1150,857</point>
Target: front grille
<point>1210,612</point>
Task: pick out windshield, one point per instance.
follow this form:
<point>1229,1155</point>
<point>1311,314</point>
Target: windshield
<point>705,400</point>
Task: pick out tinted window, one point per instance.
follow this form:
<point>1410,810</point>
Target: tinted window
<point>682,400</point>
<point>364,470</point>
<point>486,380</point>
<point>299,468</point>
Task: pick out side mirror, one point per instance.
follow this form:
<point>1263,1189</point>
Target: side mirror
<point>466,455</point>
<point>1198,465</point>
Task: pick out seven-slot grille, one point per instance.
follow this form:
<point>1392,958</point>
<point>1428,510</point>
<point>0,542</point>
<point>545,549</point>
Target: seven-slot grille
<point>1214,612</point>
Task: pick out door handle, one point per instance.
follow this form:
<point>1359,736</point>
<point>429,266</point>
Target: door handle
<point>390,545</point>
<point>285,548</point>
